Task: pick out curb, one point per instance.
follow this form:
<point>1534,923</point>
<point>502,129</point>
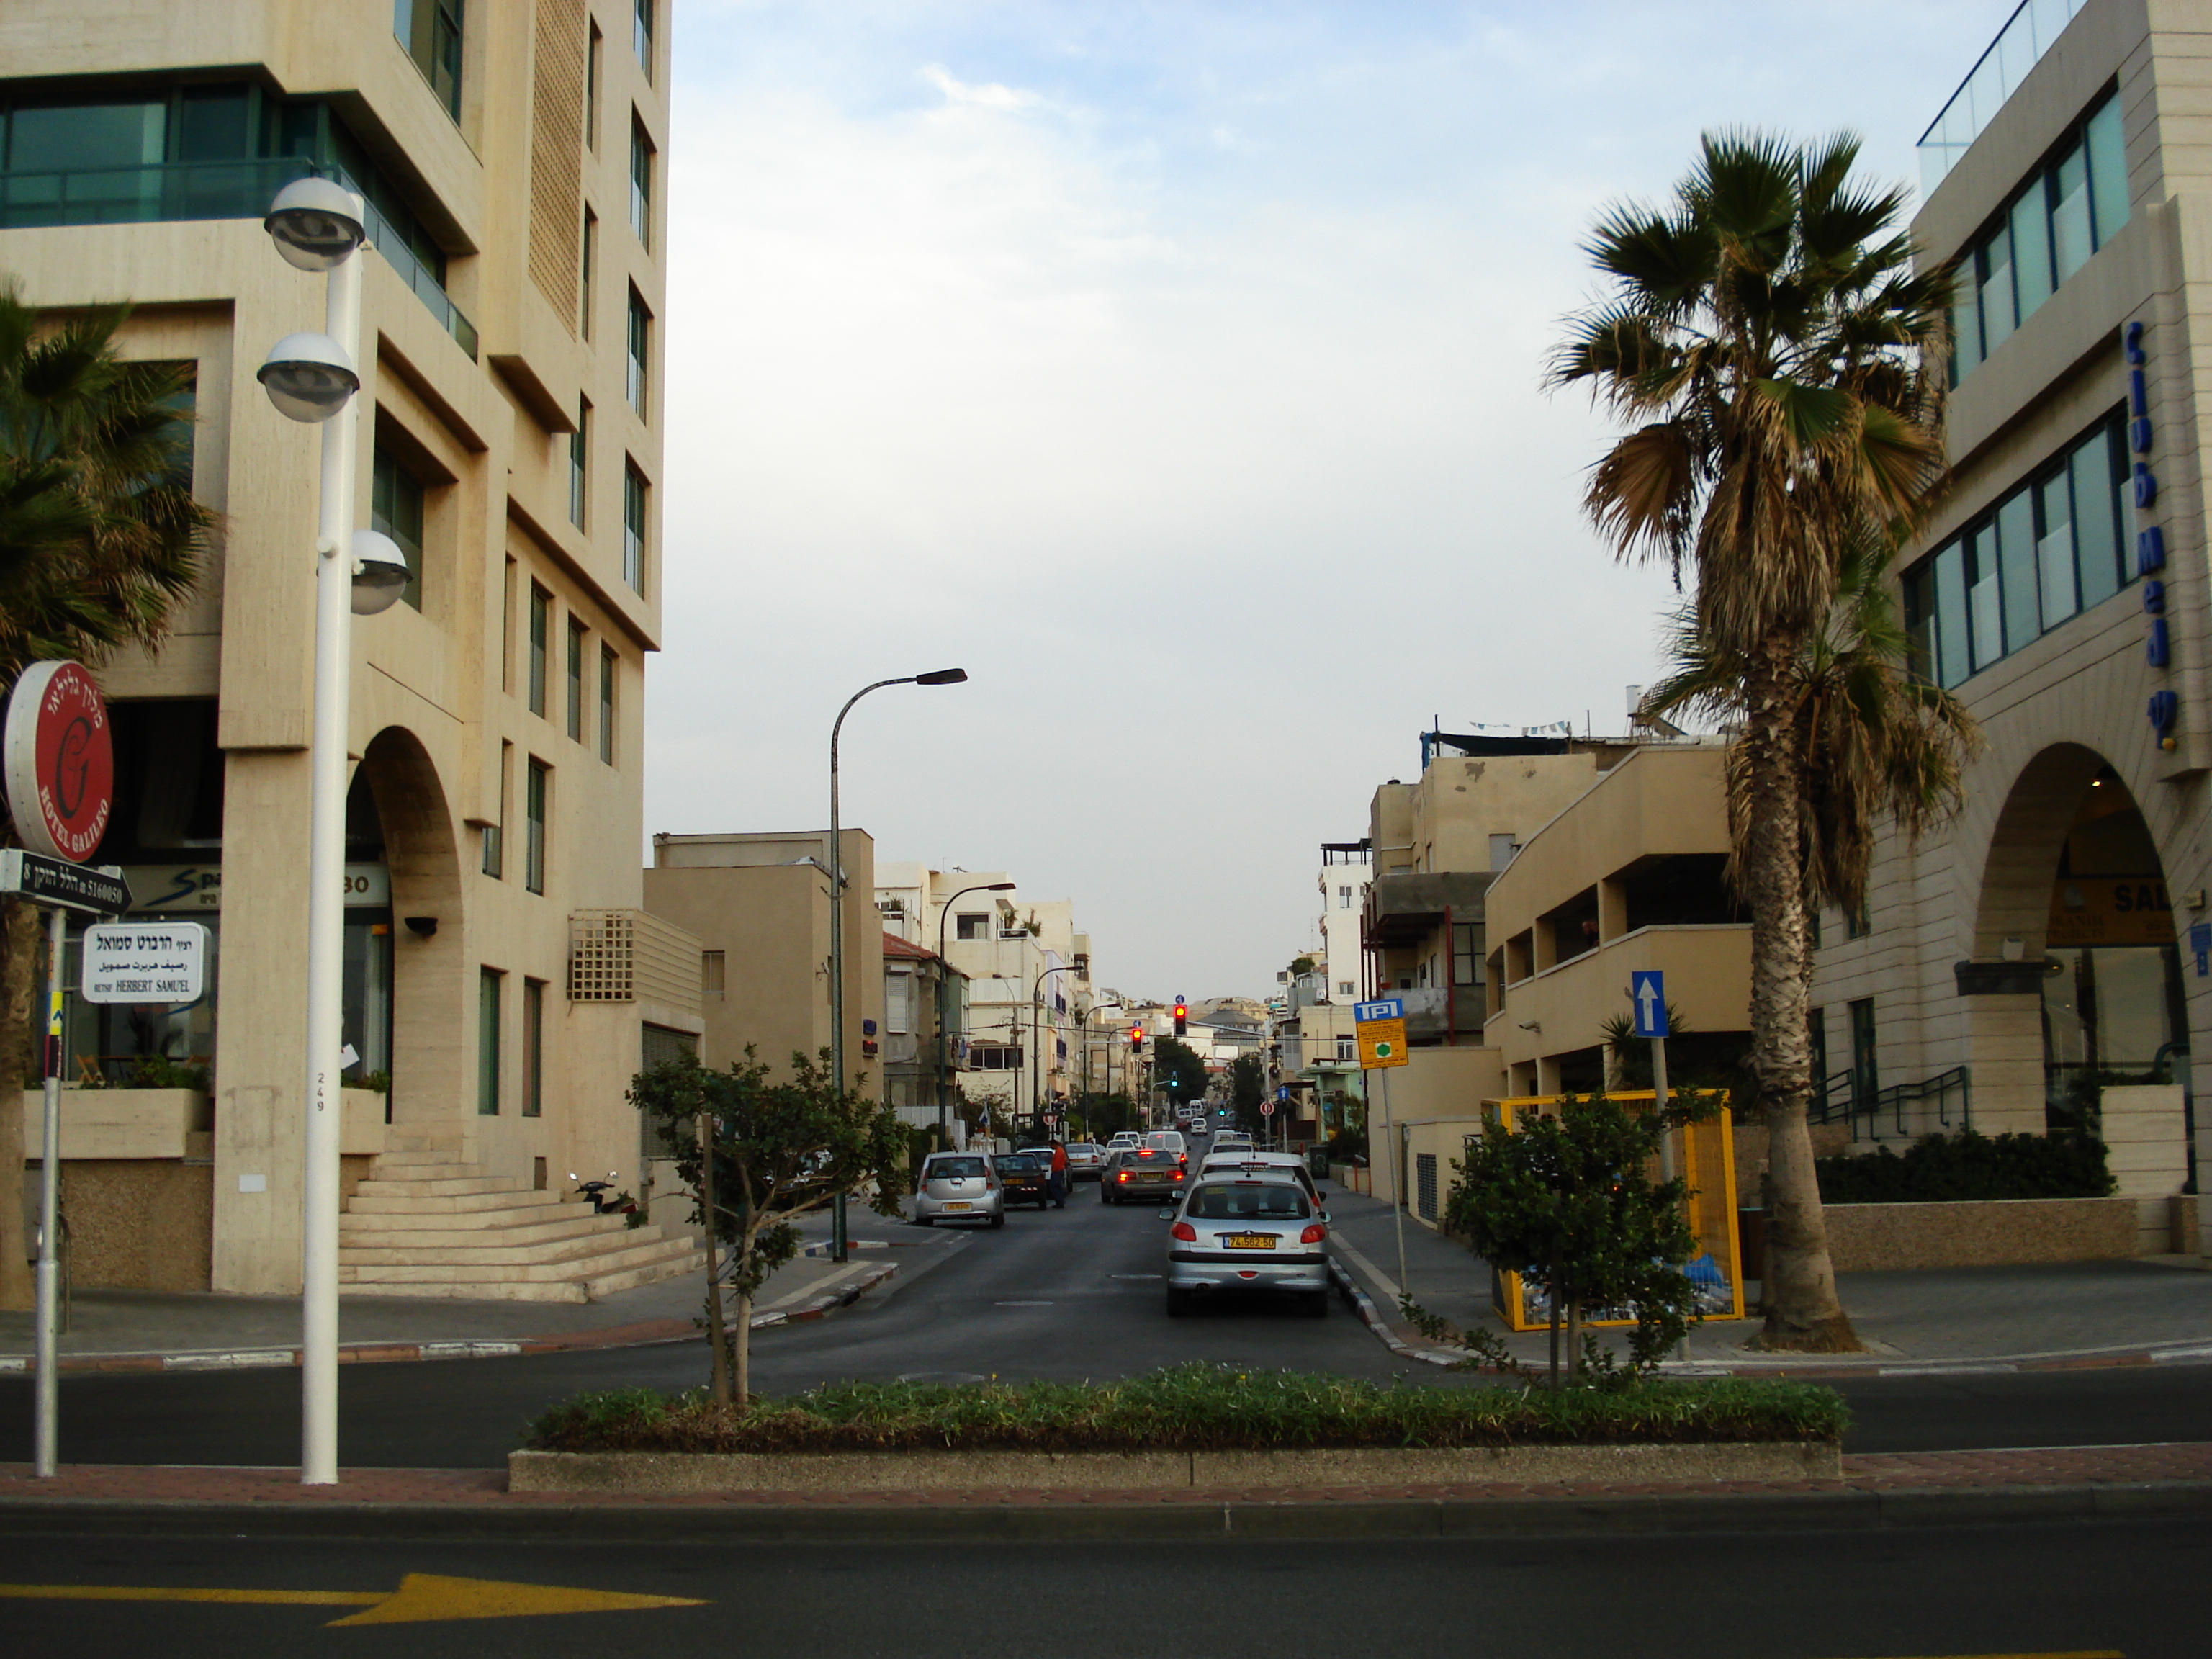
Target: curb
<point>651,1332</point>
<point>1198,1517</point>
<point>1363,1305</point>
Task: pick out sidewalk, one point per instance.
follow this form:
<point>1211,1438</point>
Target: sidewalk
<point>145,1330</point>
<point>1876,1491</point>
<point>1984,1319</point>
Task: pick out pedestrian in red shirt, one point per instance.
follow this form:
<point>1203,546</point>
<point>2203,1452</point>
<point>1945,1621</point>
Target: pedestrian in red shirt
<point>1058,1184</point>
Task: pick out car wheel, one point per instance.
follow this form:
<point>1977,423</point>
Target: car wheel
<point>921,1221</point>
<point>1317,1304</point>
<point>1178,1304</point>
<point>999,1219</point>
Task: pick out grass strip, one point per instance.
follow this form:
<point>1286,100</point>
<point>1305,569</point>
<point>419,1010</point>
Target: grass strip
<point>1191,1407</point>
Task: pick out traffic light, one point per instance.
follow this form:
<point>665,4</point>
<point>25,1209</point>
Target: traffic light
<point>1136,1039</point>
<point>1181,1016</point>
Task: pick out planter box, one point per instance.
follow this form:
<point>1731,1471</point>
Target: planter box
<point>2001,1232</point>
<point>361,1132</point>
<point>1352,1178</point>
<point>120,1123</point>
<point>686,1474</point>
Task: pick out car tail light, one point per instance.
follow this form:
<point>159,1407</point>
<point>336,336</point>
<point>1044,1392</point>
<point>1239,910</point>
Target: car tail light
<point>1175,1175</point>
<point>1313,1235</point>
<point>1124,1176</point>
<point>1185,1232</point>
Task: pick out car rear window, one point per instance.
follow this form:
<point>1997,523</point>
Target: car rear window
<point>954,1169</point>
<point>1254,1200</point>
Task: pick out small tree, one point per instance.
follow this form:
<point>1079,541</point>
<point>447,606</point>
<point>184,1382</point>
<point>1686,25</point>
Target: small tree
<point>1178,1069</point>
<point>1566,1202</point>
<point>780,1150</point>
<point>1247,1087</point>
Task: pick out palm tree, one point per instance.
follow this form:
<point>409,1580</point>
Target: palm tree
<point>99,540</point>
<point>1783,363</point>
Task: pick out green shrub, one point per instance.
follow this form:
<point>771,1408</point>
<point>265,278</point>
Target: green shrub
<point>1190,1408</point>
<point>1944,1168</point>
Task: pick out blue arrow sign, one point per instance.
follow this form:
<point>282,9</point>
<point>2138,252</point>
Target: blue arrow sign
<point>1388,1008</point>
<point>1647,994</point>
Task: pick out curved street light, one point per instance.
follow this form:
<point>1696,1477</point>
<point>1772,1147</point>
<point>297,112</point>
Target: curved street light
<point>836,865</point>
<point>1036,1055</point>
<point>943,985</point>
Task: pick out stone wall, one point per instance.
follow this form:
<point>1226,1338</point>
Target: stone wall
<point>139,1224</point>
<point>1882,1237</point>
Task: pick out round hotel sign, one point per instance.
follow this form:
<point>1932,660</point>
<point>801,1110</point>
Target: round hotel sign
<point>59,760</point>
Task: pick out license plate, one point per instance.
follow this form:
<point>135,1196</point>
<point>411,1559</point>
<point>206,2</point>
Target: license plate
<point>1249,1241</point>
<point>960,1204</point>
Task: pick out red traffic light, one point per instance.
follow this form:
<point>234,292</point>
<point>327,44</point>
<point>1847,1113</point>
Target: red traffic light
<point>1181,1016</point>
<point>1136,1038</point>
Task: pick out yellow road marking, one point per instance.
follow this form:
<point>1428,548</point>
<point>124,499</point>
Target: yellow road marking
<point>421,1597</point>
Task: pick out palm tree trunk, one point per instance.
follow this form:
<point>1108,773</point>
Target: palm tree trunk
<point>1802,1313</point>
<point>18,962</point>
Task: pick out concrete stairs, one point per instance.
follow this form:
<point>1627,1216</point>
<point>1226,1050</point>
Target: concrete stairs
<point>425,1226</point>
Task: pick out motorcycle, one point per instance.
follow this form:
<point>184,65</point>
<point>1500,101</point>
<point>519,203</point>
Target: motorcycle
<point>606,1201</point>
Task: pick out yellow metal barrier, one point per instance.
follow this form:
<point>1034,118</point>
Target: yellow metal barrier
<point>1705,1158</point>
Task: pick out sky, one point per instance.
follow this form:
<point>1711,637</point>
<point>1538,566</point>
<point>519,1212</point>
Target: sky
<point>1177,370</point>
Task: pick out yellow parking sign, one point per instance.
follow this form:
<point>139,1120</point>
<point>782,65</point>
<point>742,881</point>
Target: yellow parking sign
<point>1382,1029</point>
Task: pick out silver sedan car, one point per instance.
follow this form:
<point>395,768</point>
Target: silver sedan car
<point>960,1187</point>
<point>1238,1235</point>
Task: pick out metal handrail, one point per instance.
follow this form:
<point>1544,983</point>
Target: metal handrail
<point>2028,34</point>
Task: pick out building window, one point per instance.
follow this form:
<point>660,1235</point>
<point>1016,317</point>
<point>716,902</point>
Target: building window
<point>430,32</point>
<point>2061,215</point>
<point>641,185</point>
<point>1344,898</point>
<point>712,974</point>
<point>575,680</point>
<point>1816,1033</point>
<point>533,826</point>
<point>1347,1050</point>
<point>588,286</point>
<point>533,1047</point>
<point>1866,1078</point>
<point>634,488</point>
<point>1344,987</point>
<point>395,508</point>
<point>2050,548</point>
<point>541,623</point>
<point>640,352</point>
<point>580,461</point>
<point>594,46</point>
<point>608,665</point>
<point>994,1057</point>
<point>1857,923</point>
<point>1467,953</point>
<point>898,999</point>
<point>488,983</point>
<point>506,628</point>
<point>641,37</point>
<point>971,926</point>
<point>495,834</point>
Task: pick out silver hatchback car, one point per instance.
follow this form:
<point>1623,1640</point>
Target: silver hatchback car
<point>1242,1234</point>
<point>960,1187</point>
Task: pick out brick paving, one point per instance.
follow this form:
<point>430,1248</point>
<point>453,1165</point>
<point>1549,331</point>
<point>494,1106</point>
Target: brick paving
<point>2189,1463</point>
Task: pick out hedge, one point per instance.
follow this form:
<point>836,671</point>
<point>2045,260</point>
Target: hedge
<point>1941,1168</point>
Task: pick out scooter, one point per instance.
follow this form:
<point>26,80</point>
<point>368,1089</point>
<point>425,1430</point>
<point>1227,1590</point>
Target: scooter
<point>606,1201</point>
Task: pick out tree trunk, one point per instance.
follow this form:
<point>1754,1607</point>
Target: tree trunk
<point>1802,1313</point>
<point>19,966</point>
<point>719,1364</point>
<point>743,1342</point>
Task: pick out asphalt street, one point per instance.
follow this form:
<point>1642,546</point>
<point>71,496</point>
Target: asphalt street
<point>2109,1588</point>
<point>1067,1294</point>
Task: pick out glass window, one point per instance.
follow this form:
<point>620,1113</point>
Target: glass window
<point>2015,530</point>
<point>80,137</point>
<point>533,827</point>
<point>641,185</point>
<point>1467,953</point>
<point>430,32</point>
<point>1965,323</point>
<point>506,631</point>
<point>1955,657</point>
<point>213,123</point>
<point>2096,469</point>
<point>640,36</point>
<point>1920,614</point>
<point>1984,609</point>
<point>541,624</point>
<point>594,46</point>
<point>533,1047</point>
<point>2108,194</point>
<point>488,983</point>
<point>641,351</point>
<point>590,269</point>
<point>395,507</point>
<point>971,926</point>
<point>2031,249</point>
<point>634,505</point>
<point>575,679</point>
<point>2054,548</point>
<point>2070,212</point>
<point>495,834</point>
<point>608,665</point>
<point>580,461</point>
<point>1995,262</point>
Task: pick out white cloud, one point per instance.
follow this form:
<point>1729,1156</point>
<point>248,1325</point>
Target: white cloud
<point>989,94</point>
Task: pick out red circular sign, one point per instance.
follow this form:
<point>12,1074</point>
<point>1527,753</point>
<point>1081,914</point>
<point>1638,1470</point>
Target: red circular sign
<point>60,760</point>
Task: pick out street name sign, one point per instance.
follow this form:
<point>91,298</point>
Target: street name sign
<point>98,889</point>
<point>1381,1027</point>
<point>1647,996</point>
<point>138,961</point>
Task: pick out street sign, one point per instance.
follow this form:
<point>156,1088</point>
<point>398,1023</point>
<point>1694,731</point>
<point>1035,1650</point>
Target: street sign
<point>1647,996</point>
<point>1267,1108</point>
<point>1381,1026</point>
<point>141,962</point>
<point>58,754</point>
<point>98,889</point>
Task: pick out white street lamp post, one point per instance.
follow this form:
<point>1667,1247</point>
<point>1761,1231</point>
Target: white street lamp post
<point>318,226</point>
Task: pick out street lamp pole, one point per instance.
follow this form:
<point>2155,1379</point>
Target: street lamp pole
<point>944,986</point>
<point>835,864</point>
<point>1037,1054</point>
<point>317,224</point>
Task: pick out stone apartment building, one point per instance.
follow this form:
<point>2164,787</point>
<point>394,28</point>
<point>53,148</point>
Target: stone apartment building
<point>501,982</point>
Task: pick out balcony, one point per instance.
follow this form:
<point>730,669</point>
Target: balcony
<point>1407,908</point>
<point>176,190</point>
<point>2020,44</point>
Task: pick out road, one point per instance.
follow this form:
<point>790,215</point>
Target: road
<point>2122,1588</point>
<point>1066,1293</point>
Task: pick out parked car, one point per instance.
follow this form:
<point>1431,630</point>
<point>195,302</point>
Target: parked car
<point>1249,1235</point>
<point>1026,1177</point>
<point>1140,1172</point>
<point>1281,1166</point>
<point>1086,1161</point>
<point>960,1187</point>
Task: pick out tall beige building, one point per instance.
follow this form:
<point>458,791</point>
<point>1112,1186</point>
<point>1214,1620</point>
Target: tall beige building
<point>499,974</point>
